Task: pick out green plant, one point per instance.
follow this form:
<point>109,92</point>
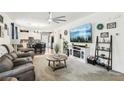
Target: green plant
<point>65,46</point>
<point>56,48</point>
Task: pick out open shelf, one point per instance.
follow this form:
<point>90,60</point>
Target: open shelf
<point>107,58</point>
<point>103,50</point>
<point>104,65</point>
<point>104,58</point>
<point>104,42</point>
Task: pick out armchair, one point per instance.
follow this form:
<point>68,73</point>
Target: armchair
<point>14,65</point>
<point>23,72</point>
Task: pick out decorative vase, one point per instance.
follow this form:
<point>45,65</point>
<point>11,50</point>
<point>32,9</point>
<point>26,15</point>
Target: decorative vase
<point>56,55</point>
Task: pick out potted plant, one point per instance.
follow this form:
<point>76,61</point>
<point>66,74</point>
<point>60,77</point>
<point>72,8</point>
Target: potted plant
<point>56,49</point>
<point>65,46</point>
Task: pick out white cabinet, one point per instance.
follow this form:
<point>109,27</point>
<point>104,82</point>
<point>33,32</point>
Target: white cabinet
<point>79,53</point>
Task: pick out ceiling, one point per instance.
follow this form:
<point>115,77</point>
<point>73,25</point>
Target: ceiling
<point>39,20</point>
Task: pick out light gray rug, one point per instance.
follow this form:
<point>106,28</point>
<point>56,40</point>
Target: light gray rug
<point>75,71</point>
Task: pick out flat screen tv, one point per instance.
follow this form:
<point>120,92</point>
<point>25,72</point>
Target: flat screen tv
<point>82,33</point>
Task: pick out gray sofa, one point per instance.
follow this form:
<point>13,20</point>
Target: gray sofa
<point>26,50</point>
<point>18,65</point>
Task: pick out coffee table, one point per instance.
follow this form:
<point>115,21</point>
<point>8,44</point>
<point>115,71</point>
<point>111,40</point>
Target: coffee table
<point>57,62</point>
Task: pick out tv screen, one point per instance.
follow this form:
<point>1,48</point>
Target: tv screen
<point>82,33</point>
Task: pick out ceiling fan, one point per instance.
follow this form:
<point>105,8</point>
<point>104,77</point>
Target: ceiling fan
<point>55,19</point>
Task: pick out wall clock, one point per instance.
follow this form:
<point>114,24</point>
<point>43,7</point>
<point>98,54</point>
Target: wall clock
<point>100,26</point>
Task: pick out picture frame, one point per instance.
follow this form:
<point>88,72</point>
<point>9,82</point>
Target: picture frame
<point>8,31</point>
<point>60,36</point>
<point>65,32</point>
<point>104,35</point>
<point>1,31</point>
<point>5,26</point>
<point>1,18</point>
<point>111,25</point>
<point>16,30</point>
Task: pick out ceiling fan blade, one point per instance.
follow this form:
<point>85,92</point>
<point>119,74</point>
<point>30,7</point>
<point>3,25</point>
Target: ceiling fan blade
<point>60,17</point>
<point>60,20</point>
<point>50,15</point>
<point>55,21</point>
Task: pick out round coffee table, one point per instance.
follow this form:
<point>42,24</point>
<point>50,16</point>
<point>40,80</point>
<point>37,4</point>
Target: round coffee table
<point>57,62</point>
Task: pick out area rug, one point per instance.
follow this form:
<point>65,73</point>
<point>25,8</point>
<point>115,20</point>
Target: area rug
<point>75,71</point>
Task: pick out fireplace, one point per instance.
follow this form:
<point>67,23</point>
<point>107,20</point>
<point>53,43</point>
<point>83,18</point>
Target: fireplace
<point>76,53</point>
<point>79,53</point>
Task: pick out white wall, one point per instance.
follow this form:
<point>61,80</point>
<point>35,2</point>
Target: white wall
<point>25,35</point>
<point>104,18</point>
<point>6,38</point>
<point>15,41</point>
<point>35,35</point>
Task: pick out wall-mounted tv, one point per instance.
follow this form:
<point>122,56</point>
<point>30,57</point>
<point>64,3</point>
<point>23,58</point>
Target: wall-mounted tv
<point>82,33</point>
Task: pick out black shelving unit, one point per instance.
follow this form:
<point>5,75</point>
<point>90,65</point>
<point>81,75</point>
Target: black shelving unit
<point>108,50</point>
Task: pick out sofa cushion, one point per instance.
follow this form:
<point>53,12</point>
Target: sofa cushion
<point>5,64</point>
<point>14,55</point>
<point>10,48</point>
<point>26,49</point>
<point>25,59</point>
<point>17,70</point>
<point>22,61</point>
<point>9,56</point>
<point>27,54</point>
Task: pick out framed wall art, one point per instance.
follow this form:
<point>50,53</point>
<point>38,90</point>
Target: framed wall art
<point>5,26</point>
<point>12,27</point>
<point>111,25</point>
<point>65,32</point>
<point>16,30</point>
<point>1,18</point>
<point>60,36</point>
<point>1,31</point>
<point>104,35</point>
<point>1,26</point>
